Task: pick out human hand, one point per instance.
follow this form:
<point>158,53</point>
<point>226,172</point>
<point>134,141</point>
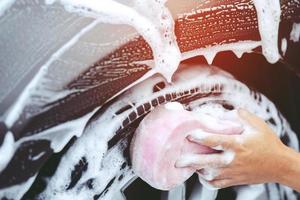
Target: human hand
<point>259,156</point>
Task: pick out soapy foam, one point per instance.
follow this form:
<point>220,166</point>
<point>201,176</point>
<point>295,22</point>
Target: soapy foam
<point>170,54</point>
<point>17,191</point>
<point>228,156</point>
<point>209,52</point>
<point>174,106</point>
<point>5,5</point>
<point>17,108</point>
<point>97,154</point>
<point>151,19</point>
<point>196,77</point>
<point>209,174</point>
<point>154,22</point>
<point>157,27</point>
<point>268,14</point>
<point>207,185</point>
<point>283,46</point>
<point>59,135</point>
<point>6,150</point>
<point>158,31</point>
<point>295,33</point>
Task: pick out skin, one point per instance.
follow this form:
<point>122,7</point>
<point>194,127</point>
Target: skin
<point>260,157</point>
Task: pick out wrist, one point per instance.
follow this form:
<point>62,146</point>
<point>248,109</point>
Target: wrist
<point>289,167</point>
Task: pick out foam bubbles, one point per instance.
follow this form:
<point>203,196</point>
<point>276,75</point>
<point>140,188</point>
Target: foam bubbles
<point>268,14</point>
<point>6,150</point>
<point>283,46</point>
<point>207,185</point>
<point>228,156</point>
<point>209,174</point>
<point>295,33</point>
<point>174,106</point>
<point>104,164</point>
<point>151,19</point>
<point>5,5</point>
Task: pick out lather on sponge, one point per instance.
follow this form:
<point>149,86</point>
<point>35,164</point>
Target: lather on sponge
<point>161,139</point>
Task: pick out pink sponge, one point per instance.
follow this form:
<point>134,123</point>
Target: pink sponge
<point>161,139</point>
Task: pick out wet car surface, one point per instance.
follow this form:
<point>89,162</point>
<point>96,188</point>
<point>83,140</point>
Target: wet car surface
<point>72,89</point>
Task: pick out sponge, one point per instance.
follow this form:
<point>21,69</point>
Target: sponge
<point>161,139</point>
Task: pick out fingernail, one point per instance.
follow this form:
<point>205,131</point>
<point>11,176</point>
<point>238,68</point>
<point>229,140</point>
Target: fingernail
<point>190,138</point>
<point>219,148</point>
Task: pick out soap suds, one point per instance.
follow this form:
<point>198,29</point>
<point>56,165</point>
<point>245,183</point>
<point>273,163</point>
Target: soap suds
<point>18,106</point>
<point>209,174</point>
<point>166,62</point>
<point>295,33</point>
<point>6,150</point>
<point>5,5</point>
<point>228,156</point>
<point>283,46</point>
<point>17,191</point>
<point>174,106</point>
<point>151,19</point>
<point>96,150</point>
<point>198,134</point>
<point>268,14</point>
<point>207,185</point>
<point>209,52</point>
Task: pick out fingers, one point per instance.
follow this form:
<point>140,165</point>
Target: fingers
<point>215,141</point>
<point>252,119</point>
<point>199,161</point>
<point>221,126</point>
<point>208,174</point>
<point>216,178</point>
<point>207,184</point>
<point>217,183</point>
<point>221,183</point>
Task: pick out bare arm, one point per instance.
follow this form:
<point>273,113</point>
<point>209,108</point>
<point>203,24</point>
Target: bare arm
<point>290,175</point>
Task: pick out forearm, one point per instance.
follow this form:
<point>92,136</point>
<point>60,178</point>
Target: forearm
<point>289,174</point>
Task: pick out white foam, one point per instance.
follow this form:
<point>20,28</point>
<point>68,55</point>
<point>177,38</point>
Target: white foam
<point>228,156</point>
<point>174,106</point>
<point>6,150</point>
<point>209,174</point>
<point>154,22</point>
<point>93,143</point>
<point>283,46</point>
<point>151,19</point>
<point>16,109</point>
<point>36,157</point>
<point>17,191</point>
<point>268,14</point>
<point>59,135</point>
<point>5,5</point>
<point>199,134</point>
<point>207,185</point>
<point>295,33</point>
<point>209,52</point>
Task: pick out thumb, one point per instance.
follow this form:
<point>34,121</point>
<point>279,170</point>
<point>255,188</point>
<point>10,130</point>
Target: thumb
<point>252,119</point>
